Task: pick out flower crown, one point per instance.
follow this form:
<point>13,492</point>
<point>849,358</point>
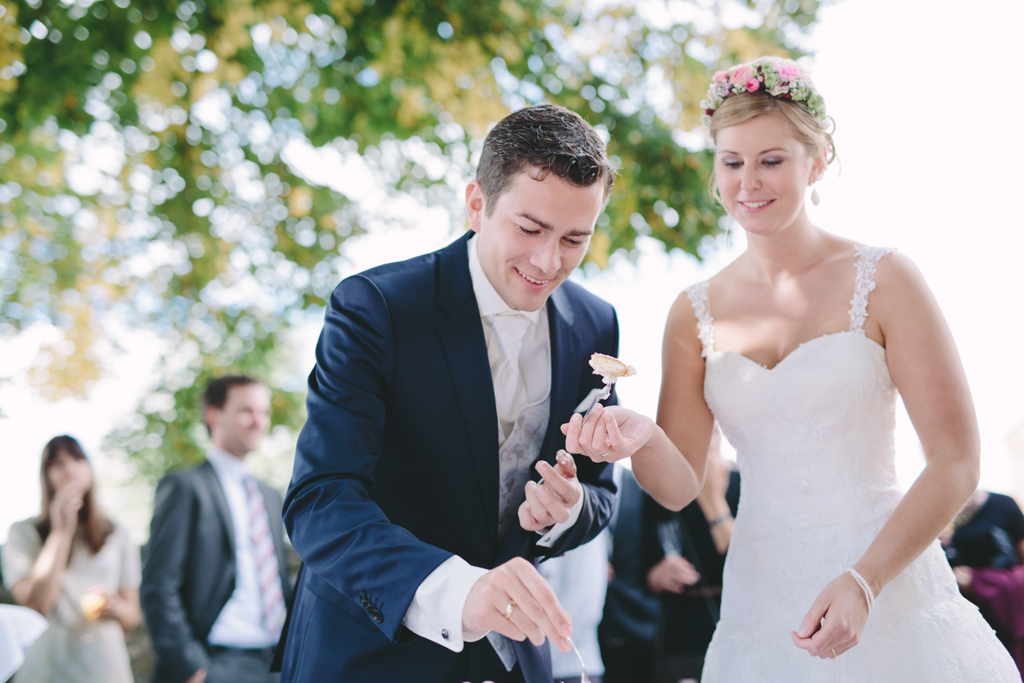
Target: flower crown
<point>778,77</point>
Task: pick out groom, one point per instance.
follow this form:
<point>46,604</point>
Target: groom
<point>434,409</point>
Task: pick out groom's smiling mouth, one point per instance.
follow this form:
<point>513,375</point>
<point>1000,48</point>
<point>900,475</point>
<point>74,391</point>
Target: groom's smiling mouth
<point>531,280</point>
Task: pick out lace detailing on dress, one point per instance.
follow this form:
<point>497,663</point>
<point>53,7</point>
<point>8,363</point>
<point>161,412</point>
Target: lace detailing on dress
<point>698,295</point>
<point>866,266</point>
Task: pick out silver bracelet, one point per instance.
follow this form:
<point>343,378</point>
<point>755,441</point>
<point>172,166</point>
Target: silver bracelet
<point>869,594</point>
<point>720,519</point>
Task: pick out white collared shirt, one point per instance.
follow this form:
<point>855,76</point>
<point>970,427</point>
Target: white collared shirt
<point>436,609</point>
<point>239,623</point>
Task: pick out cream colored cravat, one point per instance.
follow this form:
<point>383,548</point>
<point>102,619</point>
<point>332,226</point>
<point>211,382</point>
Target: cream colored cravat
<point>510,330</point>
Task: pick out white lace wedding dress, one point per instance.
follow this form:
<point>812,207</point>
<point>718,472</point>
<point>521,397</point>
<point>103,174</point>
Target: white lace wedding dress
<point>814,443</point>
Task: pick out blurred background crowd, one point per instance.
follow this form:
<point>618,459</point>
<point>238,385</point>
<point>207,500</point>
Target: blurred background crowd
<point>182,184</point>
<point>644,595</point>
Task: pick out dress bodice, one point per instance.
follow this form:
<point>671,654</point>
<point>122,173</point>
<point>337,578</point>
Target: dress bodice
<point>817,428</point>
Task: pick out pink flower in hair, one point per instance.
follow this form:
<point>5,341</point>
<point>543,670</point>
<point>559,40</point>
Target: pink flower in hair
<point>741,74</point>
<point>777,77</point>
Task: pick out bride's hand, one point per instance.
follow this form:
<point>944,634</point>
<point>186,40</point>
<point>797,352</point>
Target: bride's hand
<point>610,434</point>
<point>835,621</point>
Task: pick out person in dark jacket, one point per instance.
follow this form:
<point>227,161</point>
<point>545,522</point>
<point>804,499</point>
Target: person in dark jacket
<point>214,588</point>
<point>986,550</point>
<point>441,388</point>
<point>629,626</point>
<point>662,604</point>
<point>685,553</point>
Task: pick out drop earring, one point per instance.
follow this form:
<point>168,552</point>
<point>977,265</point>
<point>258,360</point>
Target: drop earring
<point>815,199</point>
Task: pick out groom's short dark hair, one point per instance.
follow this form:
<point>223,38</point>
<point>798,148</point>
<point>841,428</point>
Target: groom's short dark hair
<point>550,138</point>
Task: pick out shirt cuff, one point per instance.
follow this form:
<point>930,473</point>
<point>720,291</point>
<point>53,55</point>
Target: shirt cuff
<point>435,612</point>
<point>555,532</point>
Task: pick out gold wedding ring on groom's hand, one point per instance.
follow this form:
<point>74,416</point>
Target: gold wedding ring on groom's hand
<point>508,610</point>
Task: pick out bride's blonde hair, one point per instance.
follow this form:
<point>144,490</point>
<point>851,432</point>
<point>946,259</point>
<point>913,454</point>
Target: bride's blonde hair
<point>813,134</point>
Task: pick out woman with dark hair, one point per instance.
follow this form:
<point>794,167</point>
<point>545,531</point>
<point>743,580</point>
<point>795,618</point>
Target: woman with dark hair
<point>79,570</point>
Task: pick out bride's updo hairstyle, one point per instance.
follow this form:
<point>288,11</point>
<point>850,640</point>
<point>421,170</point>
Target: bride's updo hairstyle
<point>765,86</point>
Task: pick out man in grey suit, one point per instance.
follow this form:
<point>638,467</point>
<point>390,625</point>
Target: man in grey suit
<point>214,588</point>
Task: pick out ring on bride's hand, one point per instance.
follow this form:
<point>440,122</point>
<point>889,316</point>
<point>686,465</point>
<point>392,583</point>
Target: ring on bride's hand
<point>508,610</point>
<point>834,655</point>
<point>605,454</point>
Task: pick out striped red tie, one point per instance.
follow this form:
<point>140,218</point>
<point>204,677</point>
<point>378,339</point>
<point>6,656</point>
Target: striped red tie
<point>267,571</point>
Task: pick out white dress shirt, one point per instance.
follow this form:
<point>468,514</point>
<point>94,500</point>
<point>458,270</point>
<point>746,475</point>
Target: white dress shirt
<point>239,623</point>
<point>435,612</point>
<point>580,580</point>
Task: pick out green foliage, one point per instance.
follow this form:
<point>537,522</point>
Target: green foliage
<point>148,150</point>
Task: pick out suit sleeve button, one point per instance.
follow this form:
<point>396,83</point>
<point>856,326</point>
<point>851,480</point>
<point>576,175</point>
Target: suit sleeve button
<point>444,633</point>
<point>378,617</point>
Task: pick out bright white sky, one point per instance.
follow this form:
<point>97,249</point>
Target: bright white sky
<point>926,103</point>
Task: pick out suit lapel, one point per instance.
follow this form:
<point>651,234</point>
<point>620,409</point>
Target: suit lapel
<point>565,372</point>
<point>209,476</point>
<point>462,336</point>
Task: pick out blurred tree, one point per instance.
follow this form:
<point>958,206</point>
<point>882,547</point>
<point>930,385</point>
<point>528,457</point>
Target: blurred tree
<point>158,157</point>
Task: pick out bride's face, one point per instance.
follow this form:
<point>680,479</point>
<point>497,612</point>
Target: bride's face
<point>763,172</point>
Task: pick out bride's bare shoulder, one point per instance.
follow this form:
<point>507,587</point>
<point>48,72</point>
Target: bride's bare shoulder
<point>681,328</point>
<point>683,310</point>
<point>898,281</point>
<point>897,268</point>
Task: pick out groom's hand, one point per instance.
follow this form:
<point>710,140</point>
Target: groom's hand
<point>549,503</point>
<point>535,612</point>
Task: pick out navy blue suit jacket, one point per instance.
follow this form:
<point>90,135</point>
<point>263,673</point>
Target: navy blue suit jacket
<point>396,468</point>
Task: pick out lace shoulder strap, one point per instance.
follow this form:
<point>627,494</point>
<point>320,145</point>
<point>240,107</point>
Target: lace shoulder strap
<point>866,266</point>
<point>698,295</point>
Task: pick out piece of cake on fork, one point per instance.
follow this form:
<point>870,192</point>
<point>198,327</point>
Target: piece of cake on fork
<point>610,368</point>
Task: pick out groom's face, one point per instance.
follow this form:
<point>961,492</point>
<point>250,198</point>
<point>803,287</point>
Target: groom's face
<point>535,236</point>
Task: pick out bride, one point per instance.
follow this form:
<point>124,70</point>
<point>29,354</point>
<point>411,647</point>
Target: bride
<point>798,348</point>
